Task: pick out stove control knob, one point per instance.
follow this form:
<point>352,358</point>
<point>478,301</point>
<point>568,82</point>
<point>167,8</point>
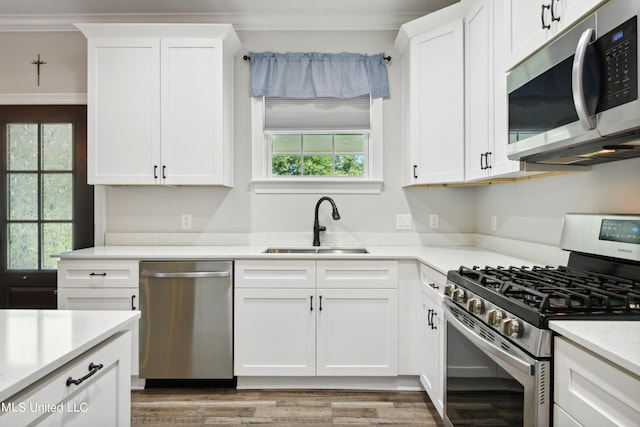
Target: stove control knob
<point>459,295</point>
<point>511,327</point>
<point>475,305</point>
<point>448,289</point>
<point>494,317</point>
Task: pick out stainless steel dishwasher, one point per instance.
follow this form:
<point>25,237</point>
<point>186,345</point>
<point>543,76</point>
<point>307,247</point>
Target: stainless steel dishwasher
<point>186,328</point>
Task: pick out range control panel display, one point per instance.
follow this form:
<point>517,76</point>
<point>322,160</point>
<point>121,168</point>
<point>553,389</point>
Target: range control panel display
<point>620,230</point>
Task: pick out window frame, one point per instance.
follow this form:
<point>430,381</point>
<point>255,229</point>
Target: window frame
<point>263,182</point>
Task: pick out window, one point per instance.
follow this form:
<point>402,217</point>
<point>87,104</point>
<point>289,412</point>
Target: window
<point>46,203</point>
<point>317,145</point>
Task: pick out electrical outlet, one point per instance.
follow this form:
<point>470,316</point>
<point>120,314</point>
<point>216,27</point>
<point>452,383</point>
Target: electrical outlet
<point>186,221</point>
<point>434,221</point>
<point>404,222</point>
<point>494,222</point>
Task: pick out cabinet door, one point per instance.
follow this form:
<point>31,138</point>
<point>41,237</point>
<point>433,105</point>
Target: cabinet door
<point>105,299</point>
<point>357,332</point>
<point>192,111</point>
<point>436,110</point>
<point>274,332</point>
<point>123,110</point>
<point>432,352</point>
<point>592,390</point>
<point>479,97</point>
<point>102,399</point>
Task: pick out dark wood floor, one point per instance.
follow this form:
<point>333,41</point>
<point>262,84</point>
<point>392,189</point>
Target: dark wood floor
<point>196,407</point>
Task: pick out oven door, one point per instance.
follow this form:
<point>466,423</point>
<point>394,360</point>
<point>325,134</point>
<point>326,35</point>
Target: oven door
<point>488,380</point>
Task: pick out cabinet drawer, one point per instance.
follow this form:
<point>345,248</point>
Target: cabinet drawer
<point>353,274</point>
<point>593,391</point>
<point>104,396</point>
<point>275,274</point>
<point>98,274</point>
<point>432,283</point>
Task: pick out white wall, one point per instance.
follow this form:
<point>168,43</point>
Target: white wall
<point>527,210</point>
<point>532,210</point>
<point>241,210</point>
<point>65,54</point>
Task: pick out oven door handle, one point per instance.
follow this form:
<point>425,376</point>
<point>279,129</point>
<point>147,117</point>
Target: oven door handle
<point>517,363</point>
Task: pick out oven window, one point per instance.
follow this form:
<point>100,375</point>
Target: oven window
<point>478,391</point>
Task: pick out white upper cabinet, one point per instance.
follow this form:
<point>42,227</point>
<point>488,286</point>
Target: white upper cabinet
<point>532,23</point>
<point>160,103</point>
<point>433,98</point>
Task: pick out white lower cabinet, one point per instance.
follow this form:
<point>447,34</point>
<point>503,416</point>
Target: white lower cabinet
<point>432,335</point>
<point>101,399</point>
<point>275,332</point>
<point>309,331</point>
<point>101,285</point>
<point>590,391</point>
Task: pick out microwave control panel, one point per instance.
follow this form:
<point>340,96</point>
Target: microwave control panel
<point>618,51</point>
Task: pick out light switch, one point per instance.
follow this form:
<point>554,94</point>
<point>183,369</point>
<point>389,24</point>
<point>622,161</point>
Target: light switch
<point>404,222</point>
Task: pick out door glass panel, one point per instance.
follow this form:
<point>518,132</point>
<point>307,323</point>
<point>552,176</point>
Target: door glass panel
<point>56,238</point>
<point>57,146</point>
<point>23,146</point>
<point>23,246</point>
<point>40,193</point>
<point>23,196</point>
<point>57,193</point>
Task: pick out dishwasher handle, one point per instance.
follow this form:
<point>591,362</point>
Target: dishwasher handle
<point>185,274</point>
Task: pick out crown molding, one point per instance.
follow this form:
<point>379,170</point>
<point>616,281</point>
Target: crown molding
<point>241,22</point>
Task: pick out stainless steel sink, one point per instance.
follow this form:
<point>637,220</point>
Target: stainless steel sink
<point>290,251</point>
<point>342,251</point>
<point>320,250</point>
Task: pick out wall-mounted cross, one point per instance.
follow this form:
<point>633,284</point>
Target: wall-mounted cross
<point>38,63</point>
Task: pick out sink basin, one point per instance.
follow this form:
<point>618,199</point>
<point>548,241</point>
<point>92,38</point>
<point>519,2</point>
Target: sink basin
<point>290,251</point>
<point>319,250</point>
<point>342,251</point>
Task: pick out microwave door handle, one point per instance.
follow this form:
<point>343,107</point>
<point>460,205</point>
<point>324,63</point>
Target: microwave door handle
<point>577,73</point>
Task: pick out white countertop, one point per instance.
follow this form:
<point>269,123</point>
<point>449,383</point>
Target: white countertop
<point>441,259</point>
<point>36,342</point>
<point>616,341</point>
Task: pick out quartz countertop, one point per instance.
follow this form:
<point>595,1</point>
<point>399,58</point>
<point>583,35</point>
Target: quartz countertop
<point>441,259</point>
<point>37,342</point>
<point>617,341</point>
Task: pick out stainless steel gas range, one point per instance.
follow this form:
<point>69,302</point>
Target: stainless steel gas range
<point>498,347</point>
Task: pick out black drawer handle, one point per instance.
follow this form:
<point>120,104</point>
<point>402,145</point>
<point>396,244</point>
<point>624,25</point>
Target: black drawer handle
<point>545,26</point>
<point>133,298</point>
<point>320,303</point>
<point>93,368</point>
<point>97,274</point>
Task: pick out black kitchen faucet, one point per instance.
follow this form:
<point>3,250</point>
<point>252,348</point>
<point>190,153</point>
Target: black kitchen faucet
<point>317,228</point>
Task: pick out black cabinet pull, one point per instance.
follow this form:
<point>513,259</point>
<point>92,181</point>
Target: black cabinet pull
<point>133,298</point>
<point>486,160</point>
<point>320,303</point>
<point>164,172</point>
<point>434,286</point>
<point>544,25</point>
<point>155,171</point>
<point>415,174</point>
<point>97,274</point>
<point>482,167</point>
<point>93,368</point>
<point>311,303</point>
<point>553,15</point>
<point>433,324</point>
<point>429,317</point>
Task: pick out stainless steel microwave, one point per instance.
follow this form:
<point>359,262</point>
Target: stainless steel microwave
<point>576,100</point>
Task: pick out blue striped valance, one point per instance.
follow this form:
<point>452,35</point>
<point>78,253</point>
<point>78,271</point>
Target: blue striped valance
<point>318,75</point>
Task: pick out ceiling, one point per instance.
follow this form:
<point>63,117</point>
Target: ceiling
<point>20,15</point>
